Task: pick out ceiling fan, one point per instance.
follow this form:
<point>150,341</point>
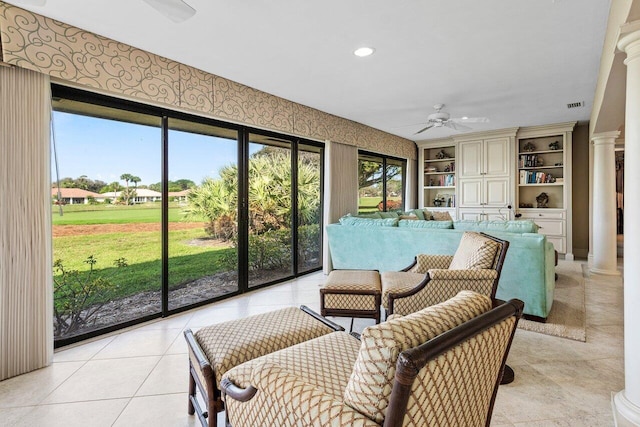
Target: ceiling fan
<point>442,118</point>
<point>176,10</point>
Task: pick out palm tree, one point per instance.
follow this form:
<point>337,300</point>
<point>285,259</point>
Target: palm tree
<point>126,177</point>
<point>135,180</point>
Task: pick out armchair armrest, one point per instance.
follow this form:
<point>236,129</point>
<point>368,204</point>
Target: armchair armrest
<point>423,263</point>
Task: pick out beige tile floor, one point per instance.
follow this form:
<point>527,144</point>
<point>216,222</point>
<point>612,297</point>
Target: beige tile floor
<point>139,377</point>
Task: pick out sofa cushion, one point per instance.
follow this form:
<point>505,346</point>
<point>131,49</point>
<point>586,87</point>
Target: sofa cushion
<point>391,214</point>
<point>370,385</point>
<point>520,226</point>
<point>475,252</point>
<point>368,222</point>
<point>368,215</point>
<point>425,224</point>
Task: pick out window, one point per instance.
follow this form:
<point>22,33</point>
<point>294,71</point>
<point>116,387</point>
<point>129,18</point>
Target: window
<point>159,211</point>
<point>381,183</point>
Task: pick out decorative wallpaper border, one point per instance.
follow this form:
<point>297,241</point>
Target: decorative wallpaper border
<point>42,44</point>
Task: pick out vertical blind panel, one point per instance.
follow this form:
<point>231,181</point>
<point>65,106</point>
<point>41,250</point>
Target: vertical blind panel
<point>341,179</point>
<point>26,290</point>
<point>344,181</point>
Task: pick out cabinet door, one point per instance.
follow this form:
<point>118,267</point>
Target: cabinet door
<point>496,192</point>
<point>470,164</point>
<point>471,192</point>
<point>496,157</point>
<point>471,214</point>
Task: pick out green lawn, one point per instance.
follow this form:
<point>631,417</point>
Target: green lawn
<point>113,214</point>
<point>142,252</point>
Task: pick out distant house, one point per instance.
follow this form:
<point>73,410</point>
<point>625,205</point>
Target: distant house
<point>179,196</point>
<point>74,196</point>
<point>143,195</point>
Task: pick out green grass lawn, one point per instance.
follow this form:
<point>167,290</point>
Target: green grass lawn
<point>143,253</point>
<point>113,214</point>
<point>142,250</point>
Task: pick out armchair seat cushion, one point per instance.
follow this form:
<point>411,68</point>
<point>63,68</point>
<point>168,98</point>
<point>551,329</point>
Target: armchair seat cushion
<point>312,374</point>
<point>369,387</point>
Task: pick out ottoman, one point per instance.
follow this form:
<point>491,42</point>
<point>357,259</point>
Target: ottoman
<point>352,293</point>
<point>215,349</point>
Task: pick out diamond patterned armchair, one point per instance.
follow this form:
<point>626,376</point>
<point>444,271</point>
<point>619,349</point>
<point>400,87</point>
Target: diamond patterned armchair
<point>439,366</point>
<point>431,279</point>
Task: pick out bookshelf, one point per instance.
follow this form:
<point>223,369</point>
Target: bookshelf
<point>544,182</point>
<point>438,176</point>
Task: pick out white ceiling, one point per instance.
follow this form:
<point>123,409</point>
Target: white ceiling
<point>517,62</point>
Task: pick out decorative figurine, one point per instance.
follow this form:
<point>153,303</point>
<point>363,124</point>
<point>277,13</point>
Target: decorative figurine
<point>441,155</point>
<point>543,200</point>
<point>529,147</point>
<point>554,145</point>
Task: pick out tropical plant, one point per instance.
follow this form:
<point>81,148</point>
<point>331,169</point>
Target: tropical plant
<point>270,185</point>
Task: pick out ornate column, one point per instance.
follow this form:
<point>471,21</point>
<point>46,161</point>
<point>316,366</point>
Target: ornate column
<point>605,259</point>
<point>627,402</point>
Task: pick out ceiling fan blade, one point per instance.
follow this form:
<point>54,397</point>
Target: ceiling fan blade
<point>472,120</point>
<point>176,10</point>
<point>422,130</point>
<point>456,126</point>
<point>32,2</point>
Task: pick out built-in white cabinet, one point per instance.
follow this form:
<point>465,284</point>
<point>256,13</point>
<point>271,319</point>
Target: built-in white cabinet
<point>485,177</point>
<point>544,182</point>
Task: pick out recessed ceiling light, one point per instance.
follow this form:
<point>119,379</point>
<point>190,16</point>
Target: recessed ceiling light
<point>464,118</point>
<point>363,51</point>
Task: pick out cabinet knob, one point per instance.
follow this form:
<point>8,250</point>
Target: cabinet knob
<point>539,214</point>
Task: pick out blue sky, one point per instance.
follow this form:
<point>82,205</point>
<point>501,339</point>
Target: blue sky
<point>105,149</point>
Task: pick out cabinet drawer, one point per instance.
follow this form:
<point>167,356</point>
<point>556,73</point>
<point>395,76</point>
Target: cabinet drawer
<point>542,215</point>
<point>550,227</point>
<point>559,243</point>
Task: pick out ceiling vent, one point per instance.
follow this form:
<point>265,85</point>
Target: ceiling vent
<point>576,104</point>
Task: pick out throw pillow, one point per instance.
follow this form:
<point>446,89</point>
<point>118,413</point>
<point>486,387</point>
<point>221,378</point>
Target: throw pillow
<point>441,216</point>
<point>475,252</point>
<point>370,385</point>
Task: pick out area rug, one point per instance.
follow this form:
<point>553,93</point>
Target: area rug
<point>567,316</point>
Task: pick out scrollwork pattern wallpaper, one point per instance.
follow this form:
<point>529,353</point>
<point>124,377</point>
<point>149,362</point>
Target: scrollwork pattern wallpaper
<point>38,43</point>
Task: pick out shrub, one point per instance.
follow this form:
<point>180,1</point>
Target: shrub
<point>79,296</point>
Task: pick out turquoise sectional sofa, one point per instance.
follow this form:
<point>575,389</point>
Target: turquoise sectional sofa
<point>391,244</point>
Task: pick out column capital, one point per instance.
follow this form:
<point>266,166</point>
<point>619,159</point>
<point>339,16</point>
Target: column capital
<point>602,138</point>
<point>629,40</point>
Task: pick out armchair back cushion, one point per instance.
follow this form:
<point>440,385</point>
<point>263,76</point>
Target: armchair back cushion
<point>371,381</point>
<point>475,252</point>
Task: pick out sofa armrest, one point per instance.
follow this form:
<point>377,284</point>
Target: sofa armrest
<point>296,397</point>
<point>424,262</point>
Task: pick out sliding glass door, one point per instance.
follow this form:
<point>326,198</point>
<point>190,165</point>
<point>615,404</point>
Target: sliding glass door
<point>106,227</point>
<point>270,209</point>
<point>202,207</point>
